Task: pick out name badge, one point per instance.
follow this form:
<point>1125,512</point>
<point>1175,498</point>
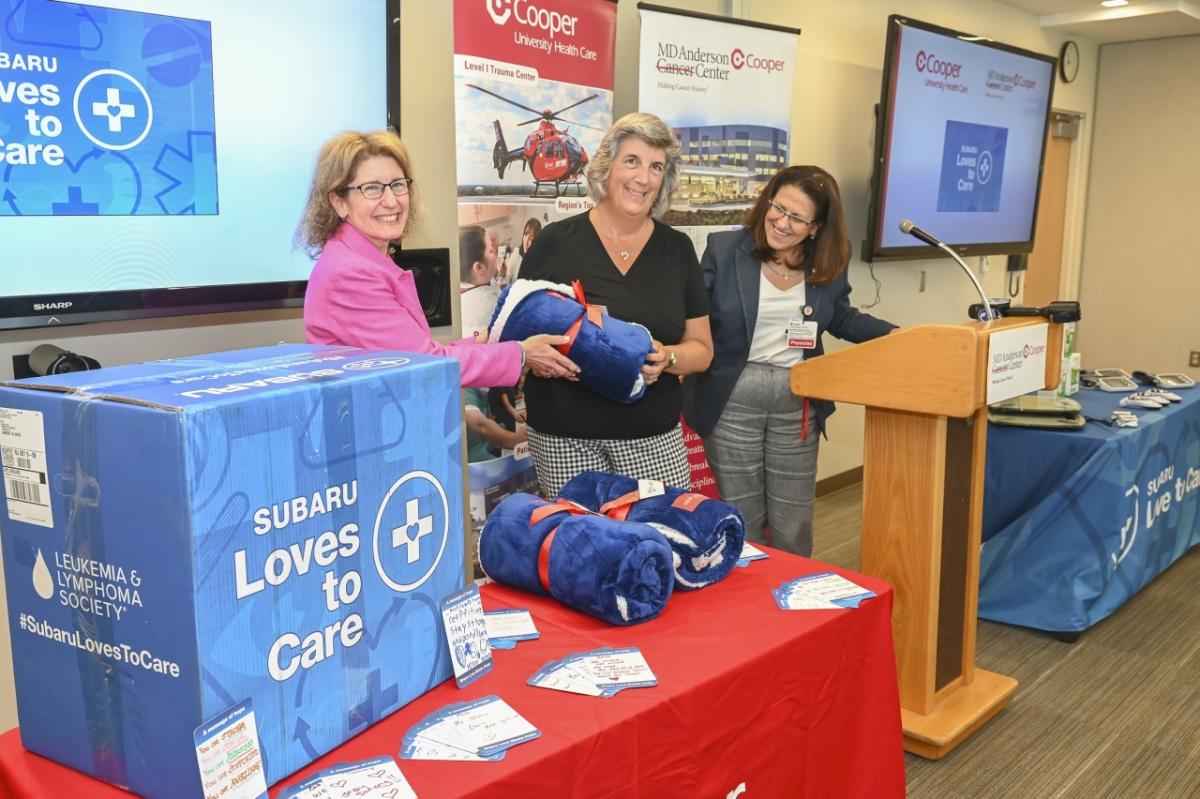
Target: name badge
<point>801,334</point>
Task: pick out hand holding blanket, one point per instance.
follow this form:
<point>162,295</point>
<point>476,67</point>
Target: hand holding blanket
<point>705,534</point>
<point>616,571</point>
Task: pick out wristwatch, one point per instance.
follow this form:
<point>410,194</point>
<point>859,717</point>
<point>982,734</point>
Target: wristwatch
<point>672,360</point>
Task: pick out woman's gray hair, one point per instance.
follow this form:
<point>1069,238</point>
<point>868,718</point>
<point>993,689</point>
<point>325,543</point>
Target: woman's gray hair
<point>651,130</point>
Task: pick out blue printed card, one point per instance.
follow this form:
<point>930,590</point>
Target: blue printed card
<point>228,753</point>
<point>466,635</point>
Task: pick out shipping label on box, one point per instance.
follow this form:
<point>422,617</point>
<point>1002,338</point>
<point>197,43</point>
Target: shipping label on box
<point>277,524</point>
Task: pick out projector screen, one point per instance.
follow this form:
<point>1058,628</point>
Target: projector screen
<point>155,155</point>
<point>960,142</point>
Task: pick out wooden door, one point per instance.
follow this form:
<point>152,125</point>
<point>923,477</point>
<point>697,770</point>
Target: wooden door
<point>1044,274</point>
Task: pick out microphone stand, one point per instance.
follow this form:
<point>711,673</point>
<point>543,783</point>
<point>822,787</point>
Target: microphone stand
<point>991,313</point>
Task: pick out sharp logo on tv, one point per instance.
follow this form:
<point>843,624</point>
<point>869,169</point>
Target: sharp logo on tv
<point>928,62</point>
<point>529,15</point>
<point>104,112</point>
<point>52,306</point>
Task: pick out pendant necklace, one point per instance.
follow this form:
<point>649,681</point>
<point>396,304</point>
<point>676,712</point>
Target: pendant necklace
<point>624,252</point>
<point>786,275</point>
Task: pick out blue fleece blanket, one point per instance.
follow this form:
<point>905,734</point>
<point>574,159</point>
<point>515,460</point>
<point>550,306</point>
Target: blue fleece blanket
<point>616,571</point>
<point>705,534</point>
<point>609,352</point>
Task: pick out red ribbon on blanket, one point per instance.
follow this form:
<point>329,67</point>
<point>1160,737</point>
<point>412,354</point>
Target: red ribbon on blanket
<point>592,313</point>
<point>619,508</point>
<point>557,506</point>
<point>544,560</point>
<point>540,513</point>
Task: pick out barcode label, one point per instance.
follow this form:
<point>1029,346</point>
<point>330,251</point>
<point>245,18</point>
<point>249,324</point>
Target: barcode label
<point>13,460</point>
<point>26,492</point>
<point>26,467</point>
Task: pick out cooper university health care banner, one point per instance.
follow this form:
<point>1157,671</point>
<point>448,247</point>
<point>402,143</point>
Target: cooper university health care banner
<point>533,97</point>
<point>533,88</point>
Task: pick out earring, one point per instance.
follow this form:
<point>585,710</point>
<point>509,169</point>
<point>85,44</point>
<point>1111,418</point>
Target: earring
<point>812,235</point>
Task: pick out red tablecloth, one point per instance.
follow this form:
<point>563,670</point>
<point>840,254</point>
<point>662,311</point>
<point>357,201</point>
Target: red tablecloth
<point>792,704</point>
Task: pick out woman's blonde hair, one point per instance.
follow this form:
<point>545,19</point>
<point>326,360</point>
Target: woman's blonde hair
<point>337,162</point>
<point>651,130</point>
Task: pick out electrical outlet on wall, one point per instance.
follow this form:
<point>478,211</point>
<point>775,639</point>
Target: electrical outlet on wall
<point>1194,358</point>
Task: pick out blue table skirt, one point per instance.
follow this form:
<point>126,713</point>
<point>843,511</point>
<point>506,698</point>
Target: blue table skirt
<point>1075,523</point>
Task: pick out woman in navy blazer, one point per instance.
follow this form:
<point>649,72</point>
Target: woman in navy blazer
<point>775,287</point>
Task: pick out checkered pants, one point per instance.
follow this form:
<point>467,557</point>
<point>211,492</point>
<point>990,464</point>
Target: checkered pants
<point>557,459</point>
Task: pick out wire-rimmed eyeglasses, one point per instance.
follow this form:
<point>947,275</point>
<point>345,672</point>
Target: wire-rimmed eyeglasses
<point>374,189</point>
<point>788,215</point>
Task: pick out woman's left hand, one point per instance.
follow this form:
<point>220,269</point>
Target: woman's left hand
<point>656,363</point>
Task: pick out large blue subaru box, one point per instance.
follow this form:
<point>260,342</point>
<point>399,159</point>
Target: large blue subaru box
<point>276,525</point>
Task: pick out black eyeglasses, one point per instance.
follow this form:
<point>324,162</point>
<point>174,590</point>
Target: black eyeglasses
<point>374,189</point>
<point>788,215</point>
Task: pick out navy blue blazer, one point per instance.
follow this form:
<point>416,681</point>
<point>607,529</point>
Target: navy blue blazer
<point>731,274</point>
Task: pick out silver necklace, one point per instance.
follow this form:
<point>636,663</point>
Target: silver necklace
<point>789,275</point>
<point>622,251</point>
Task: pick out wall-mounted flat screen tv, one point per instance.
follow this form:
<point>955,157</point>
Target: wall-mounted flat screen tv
<point>960,142</point>
<point>155,155</point>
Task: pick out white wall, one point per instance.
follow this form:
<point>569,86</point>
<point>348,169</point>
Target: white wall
<point>838,77</point>
<point>1140,288</point>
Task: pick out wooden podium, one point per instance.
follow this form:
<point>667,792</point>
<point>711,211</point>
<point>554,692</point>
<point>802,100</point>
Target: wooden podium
<point>924,449</point>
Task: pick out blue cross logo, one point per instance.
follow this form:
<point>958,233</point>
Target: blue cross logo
<point>985,166</point>
<point>410,533</point>
<point>104,101</point>
<point>424,529</point>
<point>113,110</point>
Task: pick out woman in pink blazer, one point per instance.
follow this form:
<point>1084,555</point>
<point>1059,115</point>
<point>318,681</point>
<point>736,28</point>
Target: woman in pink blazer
<point>359,204</point>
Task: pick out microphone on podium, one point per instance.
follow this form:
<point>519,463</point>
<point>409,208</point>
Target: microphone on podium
<point>907,227</point>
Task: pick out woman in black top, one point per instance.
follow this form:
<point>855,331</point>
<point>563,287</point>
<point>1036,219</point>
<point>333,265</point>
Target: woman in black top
<point>641,271</point>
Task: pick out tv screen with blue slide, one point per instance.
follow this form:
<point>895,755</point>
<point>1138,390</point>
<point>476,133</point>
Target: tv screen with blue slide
<point>960,142</point>
<point>155,155</point>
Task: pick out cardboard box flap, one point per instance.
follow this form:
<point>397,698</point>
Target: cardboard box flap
<point>179,383</point>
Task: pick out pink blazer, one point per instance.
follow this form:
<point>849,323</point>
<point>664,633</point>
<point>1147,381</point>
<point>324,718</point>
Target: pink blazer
<point>357,297</point>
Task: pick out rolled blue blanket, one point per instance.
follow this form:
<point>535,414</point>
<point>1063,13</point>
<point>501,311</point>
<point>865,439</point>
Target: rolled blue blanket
<point>609,352</point>
<point>705,534</point>
<point>616,571</point>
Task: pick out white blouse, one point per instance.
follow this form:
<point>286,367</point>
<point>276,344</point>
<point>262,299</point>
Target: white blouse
<point>775,309</point>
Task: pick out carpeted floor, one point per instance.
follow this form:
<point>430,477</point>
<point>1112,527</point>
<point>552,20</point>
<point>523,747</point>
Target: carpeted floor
<point>1115,714</point>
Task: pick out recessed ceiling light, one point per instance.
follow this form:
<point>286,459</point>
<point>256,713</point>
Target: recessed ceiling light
<point>1114,3</point>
